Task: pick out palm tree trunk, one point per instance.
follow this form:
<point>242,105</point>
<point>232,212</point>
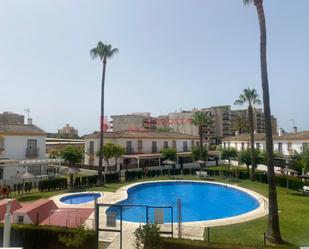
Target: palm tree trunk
<point>253,166</point>
<point>100,168</point>
<point>273,231</point>
<point>201,142</point>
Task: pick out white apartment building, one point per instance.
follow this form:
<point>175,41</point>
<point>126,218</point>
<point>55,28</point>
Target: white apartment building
<point>142,147</point>
<point>22,149</point>
<point>284,144</point>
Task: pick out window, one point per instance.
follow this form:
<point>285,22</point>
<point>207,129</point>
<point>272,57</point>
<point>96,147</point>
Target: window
<point>1,173</point>
<point>20,219</point>
<point>129,148</point>
<point>165,144</point>
<point>185,146</point>
<point>192,144</point>
<point>289,146</point>
<point>140,145</point>
<point>91,147</point>
<point>305,146</point>
<point>280,148</point>
<point>229,144</point>
<point>174,144</point>
<point>242,146</point>
<point>258,146</point>
<point>1,143</point>
<point>224,145</point>
<point>91,161</point>
<point>197,144</point>
<point>236,146</point>
<point>154,147</point>
<point>32,149</point>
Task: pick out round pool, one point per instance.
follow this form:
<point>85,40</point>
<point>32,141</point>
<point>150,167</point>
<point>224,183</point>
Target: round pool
<point>200,201</point>
<point>80,198</point>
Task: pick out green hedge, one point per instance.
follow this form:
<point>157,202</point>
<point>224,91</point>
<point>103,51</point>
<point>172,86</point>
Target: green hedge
<point>47,237</point>
<point>53,184</point>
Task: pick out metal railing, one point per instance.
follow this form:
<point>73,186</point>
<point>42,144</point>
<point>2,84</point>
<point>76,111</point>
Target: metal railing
<point>32,152</point>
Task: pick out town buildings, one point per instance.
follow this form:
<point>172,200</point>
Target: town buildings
<point>142,147</point>
<point>285,144</point>
<point>225,122</point>
<point>68,132</point>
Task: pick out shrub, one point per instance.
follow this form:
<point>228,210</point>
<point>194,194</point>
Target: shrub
<point>148,237</point>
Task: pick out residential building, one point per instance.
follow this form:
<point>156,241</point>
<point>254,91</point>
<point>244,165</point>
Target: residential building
<point>22,149</point>
<point>285,143</point>
<point>134,121</point>
<point>142,147</point>
<point>68,132</point>
<point>11,118</point>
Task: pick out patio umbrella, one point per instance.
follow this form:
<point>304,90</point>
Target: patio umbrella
<point>169,162</point>
<point>304,176</point>
<point>286,171</point>
<point>70,171</point>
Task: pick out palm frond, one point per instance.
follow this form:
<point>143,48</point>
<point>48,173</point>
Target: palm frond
<point>247,2</point>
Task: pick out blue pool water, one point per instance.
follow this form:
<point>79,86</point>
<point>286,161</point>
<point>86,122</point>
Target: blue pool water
<point>80,198</point>
<point>200,201</point>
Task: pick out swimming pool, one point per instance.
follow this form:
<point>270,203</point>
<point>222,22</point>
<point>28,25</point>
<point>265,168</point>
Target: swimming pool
<point>200,201</point>
<point>80,198</point>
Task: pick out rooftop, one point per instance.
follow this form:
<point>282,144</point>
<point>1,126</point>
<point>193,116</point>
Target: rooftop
<point>142,134</point>
<point>21,129</point>
<point>303,135</point>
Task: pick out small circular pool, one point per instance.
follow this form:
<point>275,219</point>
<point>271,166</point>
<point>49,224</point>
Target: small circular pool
<point>200,201</point>
<point>80,198</point>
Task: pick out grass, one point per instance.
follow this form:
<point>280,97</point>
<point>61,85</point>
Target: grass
<point>293,207</point>
<point>294,220</point>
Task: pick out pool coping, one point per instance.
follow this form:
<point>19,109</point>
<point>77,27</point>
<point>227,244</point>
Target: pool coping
<point>190,230</point>
<point>89,204</point>
<point>262,210</point>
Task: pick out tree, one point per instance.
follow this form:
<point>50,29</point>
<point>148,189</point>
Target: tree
<point>54,154</point>
<point>273,231</point>
<point>103,52</point>
<point>119,151</point>
<point>296,162</point>
<point>196,154</point>
<point>169,154</point>
<point>305,158</point>
<point>72,155</point>
<point>245,157</point>
<point>241,124</point>
<point>201,120</point>
<point>229,154</point>
<point>251,97</point>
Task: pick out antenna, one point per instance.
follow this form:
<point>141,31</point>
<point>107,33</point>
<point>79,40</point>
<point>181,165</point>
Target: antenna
<point>27,111</point>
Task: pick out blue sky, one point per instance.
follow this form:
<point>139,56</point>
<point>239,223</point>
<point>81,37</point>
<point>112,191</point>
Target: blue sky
<point>173,54</point>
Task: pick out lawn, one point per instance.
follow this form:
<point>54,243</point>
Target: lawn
<point>294,220</point>
<point>293,207</point>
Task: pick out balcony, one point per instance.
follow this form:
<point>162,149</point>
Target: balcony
<point>90,151</point>
<point>32,152</point>
<point>129,150</point>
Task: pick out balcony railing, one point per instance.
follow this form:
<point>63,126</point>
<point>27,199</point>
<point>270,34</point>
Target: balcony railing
<point>90,151</point>
<point>32,152</point>
<point>130,150</point>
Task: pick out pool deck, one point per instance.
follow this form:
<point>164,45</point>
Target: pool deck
<point>190,230</point>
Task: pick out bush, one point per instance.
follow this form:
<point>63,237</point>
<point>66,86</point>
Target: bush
<point>148,237</point>
<point>47,237</point>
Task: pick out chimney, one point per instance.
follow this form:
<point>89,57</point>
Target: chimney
<point>29,121</point>
<point>295,129</point>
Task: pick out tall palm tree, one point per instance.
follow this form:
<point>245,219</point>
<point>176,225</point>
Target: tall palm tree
<point>201,120</point>
<point>251,97</point>
<point>103,52</point>
<point>273,231</point>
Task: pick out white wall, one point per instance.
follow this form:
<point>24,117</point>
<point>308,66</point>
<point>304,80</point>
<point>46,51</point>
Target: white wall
<point>15,147</point>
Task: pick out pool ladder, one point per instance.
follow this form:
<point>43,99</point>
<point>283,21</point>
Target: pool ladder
<point>264,202</point>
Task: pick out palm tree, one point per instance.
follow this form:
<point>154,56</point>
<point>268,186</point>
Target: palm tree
<point>200,119</point>
<point>241,124</point>
<point>273,231</point>
<point>251,97</point>
<point>104,52</point>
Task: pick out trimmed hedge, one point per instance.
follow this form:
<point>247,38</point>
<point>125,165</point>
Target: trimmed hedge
<point>53,184</point>
<point>47,237</point>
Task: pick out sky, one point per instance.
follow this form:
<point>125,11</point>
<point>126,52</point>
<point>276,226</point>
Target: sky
<point>173,54</point>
